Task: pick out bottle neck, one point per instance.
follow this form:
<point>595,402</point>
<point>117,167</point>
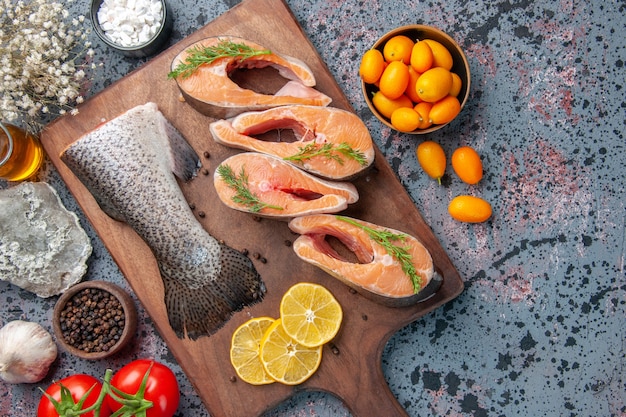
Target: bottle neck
<point>6,144</point>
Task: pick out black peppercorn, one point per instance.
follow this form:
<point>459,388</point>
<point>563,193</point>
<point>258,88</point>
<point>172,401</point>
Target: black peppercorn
<point>92,320</point>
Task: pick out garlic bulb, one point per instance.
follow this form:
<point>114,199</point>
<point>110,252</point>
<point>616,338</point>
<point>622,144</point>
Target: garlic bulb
<point>26,352</point>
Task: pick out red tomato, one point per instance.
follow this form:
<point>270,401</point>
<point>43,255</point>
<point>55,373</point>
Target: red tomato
<point>78,385</point>
<point>161,386</point>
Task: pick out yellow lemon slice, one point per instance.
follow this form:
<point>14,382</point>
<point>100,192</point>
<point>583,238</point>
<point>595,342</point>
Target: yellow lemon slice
<point>245,349</point>
<point>286,360</point>
<point>310,314</point>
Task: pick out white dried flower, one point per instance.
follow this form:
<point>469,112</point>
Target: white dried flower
<point>43,57</point>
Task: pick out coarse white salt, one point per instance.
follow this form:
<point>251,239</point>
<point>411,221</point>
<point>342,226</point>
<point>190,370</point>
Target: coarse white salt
<point>129,23</point>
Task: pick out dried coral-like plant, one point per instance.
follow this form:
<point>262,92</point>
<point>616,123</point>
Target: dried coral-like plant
<point>44,59</point>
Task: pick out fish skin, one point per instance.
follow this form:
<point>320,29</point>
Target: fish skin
<point>126,163</point>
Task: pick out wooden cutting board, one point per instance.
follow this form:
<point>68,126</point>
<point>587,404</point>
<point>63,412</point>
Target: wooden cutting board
<point>352,370</point>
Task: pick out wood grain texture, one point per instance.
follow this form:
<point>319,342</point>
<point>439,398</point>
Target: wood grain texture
<point>354,374</point>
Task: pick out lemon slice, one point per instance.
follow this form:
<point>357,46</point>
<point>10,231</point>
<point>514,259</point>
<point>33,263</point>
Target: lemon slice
<point>286,360</point>
<point>244,351</point>
<point>310,314</point>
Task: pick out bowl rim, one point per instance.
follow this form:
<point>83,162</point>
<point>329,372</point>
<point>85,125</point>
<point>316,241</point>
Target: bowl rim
<point>93,11</point>
<point>130,317</point>
<point>419,28</point>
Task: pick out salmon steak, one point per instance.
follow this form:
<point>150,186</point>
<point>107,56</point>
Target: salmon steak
<point>270,187</point>
<point>331,143</point>
<point>129,164</point>
<point>204,72</point>
<point>385,265</point>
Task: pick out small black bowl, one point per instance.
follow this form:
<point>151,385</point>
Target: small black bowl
<point>141,50</point>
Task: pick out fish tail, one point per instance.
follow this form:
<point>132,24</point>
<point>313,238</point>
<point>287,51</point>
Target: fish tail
<point>202,311</point>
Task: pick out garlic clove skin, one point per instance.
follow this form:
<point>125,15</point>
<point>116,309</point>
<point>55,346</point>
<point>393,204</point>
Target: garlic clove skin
<point>26,352</point>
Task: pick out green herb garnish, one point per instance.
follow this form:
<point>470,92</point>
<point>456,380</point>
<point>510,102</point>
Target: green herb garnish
<point>243,195</point>
<point>386,238</point>
<point>329,150</point>
<point>200,55</point>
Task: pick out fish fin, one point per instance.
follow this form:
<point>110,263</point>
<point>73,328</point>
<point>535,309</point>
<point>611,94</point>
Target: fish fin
<point>183,159</point>
<point>203,310</point>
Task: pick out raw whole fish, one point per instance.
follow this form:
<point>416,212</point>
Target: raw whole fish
<point>376,272</point>
<point>128,164</point>
<point>270,187</point>
<point>210,89</point>
<point>330,142</point>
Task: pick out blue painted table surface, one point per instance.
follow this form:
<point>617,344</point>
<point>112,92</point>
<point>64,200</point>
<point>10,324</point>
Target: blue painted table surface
<point>539,329</point>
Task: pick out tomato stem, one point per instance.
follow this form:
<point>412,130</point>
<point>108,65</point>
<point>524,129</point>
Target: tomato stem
<point>132,404</point>
<point>66,407</point>
<point>103,393</point>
